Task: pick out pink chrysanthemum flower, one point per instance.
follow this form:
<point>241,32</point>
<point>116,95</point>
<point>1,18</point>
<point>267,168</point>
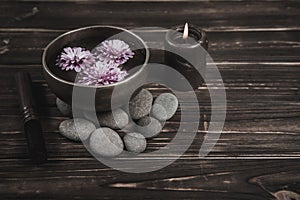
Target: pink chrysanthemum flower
<point>76,58</point>
<point>102,73</point>
<point>114,51</point>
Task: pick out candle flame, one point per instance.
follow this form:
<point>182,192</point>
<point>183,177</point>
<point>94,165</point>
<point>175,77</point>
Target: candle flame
<point>186,31</point>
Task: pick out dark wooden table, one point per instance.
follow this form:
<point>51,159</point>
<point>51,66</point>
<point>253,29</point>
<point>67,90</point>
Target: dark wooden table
<point>256,46</point>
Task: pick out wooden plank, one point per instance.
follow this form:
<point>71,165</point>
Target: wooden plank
<point>247,105</point>
<point>240,138</point>
<point>27,47</point>
<point>214,15</point>
<point>184,179</point>
<point>255,76</point>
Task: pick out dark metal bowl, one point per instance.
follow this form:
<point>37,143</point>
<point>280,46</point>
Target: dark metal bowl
<point>62,82</point>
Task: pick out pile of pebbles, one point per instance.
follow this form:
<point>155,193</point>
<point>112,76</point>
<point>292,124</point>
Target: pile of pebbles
<point>143,118</point>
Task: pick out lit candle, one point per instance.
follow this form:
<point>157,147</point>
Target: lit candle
<point>185,51</point>
<point>186,31</point>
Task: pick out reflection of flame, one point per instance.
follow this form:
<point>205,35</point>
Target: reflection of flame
<point>186,31</point>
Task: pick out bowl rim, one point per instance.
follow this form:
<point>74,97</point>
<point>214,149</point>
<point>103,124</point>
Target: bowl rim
<point>48,71</point>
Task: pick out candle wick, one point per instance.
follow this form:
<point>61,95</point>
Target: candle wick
<point>186,31</point>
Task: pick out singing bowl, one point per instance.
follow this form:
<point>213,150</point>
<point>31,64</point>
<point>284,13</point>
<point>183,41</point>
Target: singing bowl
<point>62,82</point>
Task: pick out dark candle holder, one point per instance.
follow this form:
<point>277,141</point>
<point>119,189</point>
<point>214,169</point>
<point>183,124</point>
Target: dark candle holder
<point>187,56</point>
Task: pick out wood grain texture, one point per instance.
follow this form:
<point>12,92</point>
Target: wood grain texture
<point>276,47</point>
<point>185,179</point>
<point>255,45</point>
<point>216,16</point>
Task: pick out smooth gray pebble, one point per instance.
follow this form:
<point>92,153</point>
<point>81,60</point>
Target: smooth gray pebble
<point>141,104</point>
<point>76,129</point>
<point>170,104</point>
<point>135,142</point>
<point>149,127</point>
<point>116,119</point>
<point>159,112</point>
<point>106,142</point>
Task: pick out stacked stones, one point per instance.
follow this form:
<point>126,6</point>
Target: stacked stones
<point>142,119</point>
